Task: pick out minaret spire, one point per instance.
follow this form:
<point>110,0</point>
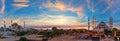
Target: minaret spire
<point>93,21</point>
<point>11,24</point>
<point>111,22</point>
<point>93,17</point>
<point>4,26</point>
<point>88,23</point>
<point>24,24</point>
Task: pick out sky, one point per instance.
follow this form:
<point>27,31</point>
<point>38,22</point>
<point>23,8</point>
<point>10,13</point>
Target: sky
<point>58,12</point>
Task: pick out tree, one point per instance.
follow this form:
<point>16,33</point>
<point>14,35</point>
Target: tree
<point>70,31</point>
<point>107,32</point>
<point>20,33</point>
<point>114,30</point>
<point>23,39</point>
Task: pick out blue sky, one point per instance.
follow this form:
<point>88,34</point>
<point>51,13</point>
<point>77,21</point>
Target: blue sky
<point>58,12</point>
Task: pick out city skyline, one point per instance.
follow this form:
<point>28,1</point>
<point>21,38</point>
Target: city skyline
<point>59,12</point>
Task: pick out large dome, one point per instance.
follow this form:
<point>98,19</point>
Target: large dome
<point>102,25</point>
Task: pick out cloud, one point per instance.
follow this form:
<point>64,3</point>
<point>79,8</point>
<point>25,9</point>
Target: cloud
<point>55,6</point>
<point>110,4</point>
<point>44,19</point>
<point>60,6</point>
<point>90,7</point>
<point>20,5</point>
<point>54,20</point>
<point>3,6</point>
<point>21,1</point>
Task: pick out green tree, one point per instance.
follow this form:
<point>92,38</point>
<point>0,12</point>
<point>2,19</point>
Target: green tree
<point>114,30</point>
<point>23,39</point>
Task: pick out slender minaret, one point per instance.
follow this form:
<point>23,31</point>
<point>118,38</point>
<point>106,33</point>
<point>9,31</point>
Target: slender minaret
<point>93,19</point>
<point>24,24</point>
<point>4,26</point>
<point>88,23</point>
<point>111,22</point>
<point>93,22</point>
<point>11,24</point>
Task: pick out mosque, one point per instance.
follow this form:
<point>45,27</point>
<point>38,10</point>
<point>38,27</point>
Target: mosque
<point>100,27</point>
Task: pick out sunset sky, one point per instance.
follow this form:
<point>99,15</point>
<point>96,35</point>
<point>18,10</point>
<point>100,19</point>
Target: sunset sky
<point>58,12</point>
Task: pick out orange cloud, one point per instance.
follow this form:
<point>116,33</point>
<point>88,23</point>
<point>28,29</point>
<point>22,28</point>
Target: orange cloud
<point>20,5</point>
<point>45,19</point>
<point>59,6</point>
<point>55,20</point>
<point>21,0</point>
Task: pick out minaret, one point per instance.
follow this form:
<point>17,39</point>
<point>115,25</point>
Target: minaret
<point>93,22</point>
<point>24,24</point>
<point>111,22</point>
<point>11,24</point>
<point>88,23</point>
<point>93,18</point>
<point>4,26</point>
